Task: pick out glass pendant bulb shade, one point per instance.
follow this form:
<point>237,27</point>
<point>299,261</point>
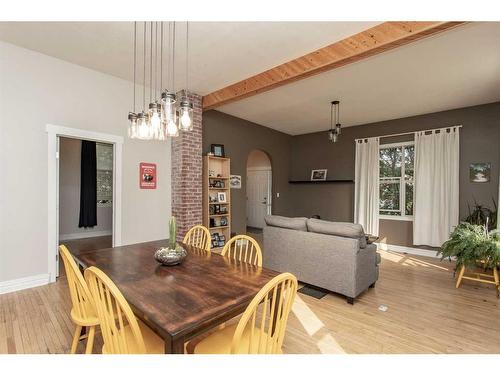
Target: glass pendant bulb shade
<point>155,119</point>
<point>132,126</point>
<point>168,100</point>
<point>331,135</point>
<point>172,129</point>
<point>143,128</point>
<point>186,115</point>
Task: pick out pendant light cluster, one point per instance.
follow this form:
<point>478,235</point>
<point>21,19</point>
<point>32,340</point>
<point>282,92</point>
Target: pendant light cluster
<point>165,115</point>
<point>335,127</point>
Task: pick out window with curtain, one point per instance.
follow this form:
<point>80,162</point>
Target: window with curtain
<point>104,155</point>
<point>396,181</point>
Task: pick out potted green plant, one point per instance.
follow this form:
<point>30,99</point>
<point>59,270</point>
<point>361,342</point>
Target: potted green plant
<point>472,244</point>
<point>174,253</point>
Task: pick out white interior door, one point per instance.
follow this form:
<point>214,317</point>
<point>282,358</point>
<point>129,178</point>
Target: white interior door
<point>258,197</point>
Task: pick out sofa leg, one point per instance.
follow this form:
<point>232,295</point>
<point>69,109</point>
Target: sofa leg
<point>373,285</point>
<point>350,300</point>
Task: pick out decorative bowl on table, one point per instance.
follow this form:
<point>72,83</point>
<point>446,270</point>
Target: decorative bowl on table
<point>170,257</point>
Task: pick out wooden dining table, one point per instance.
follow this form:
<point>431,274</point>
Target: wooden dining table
<point>183,301</point>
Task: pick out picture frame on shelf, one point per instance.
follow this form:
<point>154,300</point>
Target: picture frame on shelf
<point>221,197</point>
<point>217,150</point>
<point>319,174</point>
<point>216,209</point>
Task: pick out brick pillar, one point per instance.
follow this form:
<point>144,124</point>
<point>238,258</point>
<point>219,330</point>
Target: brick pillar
<point>187,164</point>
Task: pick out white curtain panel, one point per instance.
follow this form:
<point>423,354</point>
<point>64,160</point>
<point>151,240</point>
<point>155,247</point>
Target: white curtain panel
<point>436,186</point>
<point>366,188</point>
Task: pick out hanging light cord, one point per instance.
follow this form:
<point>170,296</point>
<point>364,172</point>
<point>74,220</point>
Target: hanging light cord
<point>161,56</point>
<point>151,62</point>
<point>173,59</point>
<point>331,116</point>
<point>135,58</point>
<point>187,59</point>
<point>144,77</point>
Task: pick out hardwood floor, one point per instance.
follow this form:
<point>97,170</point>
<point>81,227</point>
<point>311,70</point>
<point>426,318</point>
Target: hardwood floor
<point>425,314</point>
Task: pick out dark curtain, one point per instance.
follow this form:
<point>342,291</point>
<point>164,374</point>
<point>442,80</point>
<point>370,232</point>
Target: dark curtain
<point>88,186</point>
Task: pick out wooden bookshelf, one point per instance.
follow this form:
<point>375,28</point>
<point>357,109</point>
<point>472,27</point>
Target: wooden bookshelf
<point>216,172</point>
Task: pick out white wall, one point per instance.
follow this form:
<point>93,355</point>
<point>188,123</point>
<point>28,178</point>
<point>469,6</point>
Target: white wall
<point>70,155</point>
<point>35,90</point>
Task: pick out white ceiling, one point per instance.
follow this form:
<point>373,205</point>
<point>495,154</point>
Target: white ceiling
<point>220,53</point>
<point>458,68</point>
<point>455,69</point>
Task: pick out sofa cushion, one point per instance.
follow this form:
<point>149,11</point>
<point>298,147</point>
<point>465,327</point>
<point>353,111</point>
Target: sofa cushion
<point>297,223</point>
<point>340,229</point>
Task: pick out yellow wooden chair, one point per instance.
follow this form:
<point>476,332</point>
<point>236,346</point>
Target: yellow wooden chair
<point>122,332</point>
<point>262,326</point>
<point>198,236</point>
<point>244,249</point>
<point>83,312</point>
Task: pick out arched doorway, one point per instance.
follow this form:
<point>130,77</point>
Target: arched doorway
<point>259,188</point>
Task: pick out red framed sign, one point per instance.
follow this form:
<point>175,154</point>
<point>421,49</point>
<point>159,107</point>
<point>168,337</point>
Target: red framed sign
<point>147,176</point>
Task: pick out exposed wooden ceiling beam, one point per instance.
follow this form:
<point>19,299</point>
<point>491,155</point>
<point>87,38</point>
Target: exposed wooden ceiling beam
<point>375,40</point>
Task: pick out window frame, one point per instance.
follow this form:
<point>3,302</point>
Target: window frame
<point>402,184</point>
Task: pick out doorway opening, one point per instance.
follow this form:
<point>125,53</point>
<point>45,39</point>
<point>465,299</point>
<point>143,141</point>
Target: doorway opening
<point>62,141</point>
<point>259,189</point>
<point>85,201</point>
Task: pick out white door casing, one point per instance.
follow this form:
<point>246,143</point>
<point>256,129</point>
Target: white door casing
<point>54,132</point>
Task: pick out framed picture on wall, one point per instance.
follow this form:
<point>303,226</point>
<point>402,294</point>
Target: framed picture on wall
<point>235,181</point>
<point>318,174</point>
<point>217,150</point>
<point>480,172</point>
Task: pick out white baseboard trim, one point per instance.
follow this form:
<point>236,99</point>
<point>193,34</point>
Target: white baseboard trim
<point>76,236</point>
<point>23,283</point>
<point>408,250</point>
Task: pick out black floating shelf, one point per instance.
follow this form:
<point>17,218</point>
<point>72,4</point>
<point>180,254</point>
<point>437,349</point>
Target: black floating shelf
<point>322,182</point>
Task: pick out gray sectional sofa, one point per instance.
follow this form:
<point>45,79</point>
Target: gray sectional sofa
<point>329,255</point>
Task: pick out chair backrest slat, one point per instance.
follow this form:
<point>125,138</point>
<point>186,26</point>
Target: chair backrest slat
<point>114,313</point>
<point>243,248</point>
<point>265,319</point>
<point>81,298</point>
<point>198,236</point>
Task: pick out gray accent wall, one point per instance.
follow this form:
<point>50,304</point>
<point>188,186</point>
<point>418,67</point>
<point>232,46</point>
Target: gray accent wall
<point>239,137</point>
<point>293,157</point>
<point>479,142</point>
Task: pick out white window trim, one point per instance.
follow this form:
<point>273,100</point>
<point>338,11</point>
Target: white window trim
<point>402,193</point>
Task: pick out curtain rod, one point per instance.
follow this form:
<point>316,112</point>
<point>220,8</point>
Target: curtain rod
<point>413,132</point>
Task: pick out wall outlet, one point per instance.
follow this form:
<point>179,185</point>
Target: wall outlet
<point>277,195</point>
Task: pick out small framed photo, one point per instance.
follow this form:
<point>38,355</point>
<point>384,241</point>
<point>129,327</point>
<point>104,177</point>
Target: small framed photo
<point>217,150</point>
<point>235,181</point>
<point>215,244</point>
<point>222,243</point>
<point>480,172</point>
<point>318,174</point>
<point>221,197</point>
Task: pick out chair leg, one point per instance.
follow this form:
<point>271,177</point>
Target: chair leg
<point>373,285</point>
<point>460,275</point>
<point>350,300</point>
<point>90,340</point>
<point>76,338</point>
<point>497,280</point>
